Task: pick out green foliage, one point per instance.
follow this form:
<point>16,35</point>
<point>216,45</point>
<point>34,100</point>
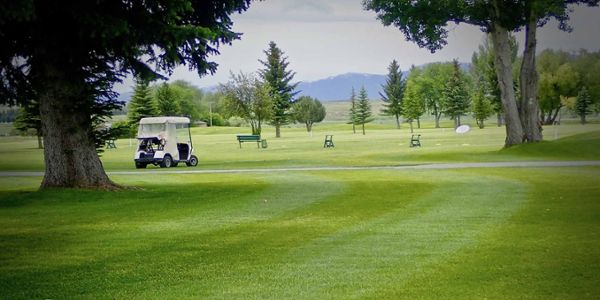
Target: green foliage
<point>167,101</point>
<point>393,92</point>
<point>456,95</point>
<point>481,106</point>
<point>28,117</point>
<point>122,129</point>
<point>142,104</point>
<point>363,109</point>
<point>276,75</point>
<point>248,98</point>
<point>308,111</point>
<point>583,106</point>
<point>413,103</point>
<point>191,99</point>
<point>558,80</point>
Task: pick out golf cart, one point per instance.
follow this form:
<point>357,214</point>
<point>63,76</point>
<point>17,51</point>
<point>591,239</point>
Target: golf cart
<point>164,142</point>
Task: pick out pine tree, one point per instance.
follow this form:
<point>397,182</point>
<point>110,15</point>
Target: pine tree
<point>583,106</point>
<point>456,96</point>
<point>27,118</point>
<point>141,105</point>
<point>166,100</point>
<point>278,79</point>
<point>353,111</point>
<point>363,109</point>
<point>393,91</point>
<point>481,108</point>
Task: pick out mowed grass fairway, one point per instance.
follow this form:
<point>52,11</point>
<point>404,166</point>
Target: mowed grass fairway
<point>383,234</point>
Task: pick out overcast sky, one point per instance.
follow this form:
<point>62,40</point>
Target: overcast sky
<point>325,38</point>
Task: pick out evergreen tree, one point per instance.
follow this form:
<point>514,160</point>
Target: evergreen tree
<point>393,91</point>
<point>166,100</point>
<point>363,109</point>
<point>481,107</point>
<point>413,105</point>
<point>353,111</point>
<point>583,106</point>
<point>27,118</point>
<point>276,75</point>
<point>456,96</point>
<point>142,104</point>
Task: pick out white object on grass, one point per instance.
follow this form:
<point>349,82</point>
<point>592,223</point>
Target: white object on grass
<point>463,129</point>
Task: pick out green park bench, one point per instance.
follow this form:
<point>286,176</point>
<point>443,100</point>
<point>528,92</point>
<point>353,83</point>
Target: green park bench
<point>110,144</point>
<point>252,138</point>
<point>328,142</point>
<point>415,140</point>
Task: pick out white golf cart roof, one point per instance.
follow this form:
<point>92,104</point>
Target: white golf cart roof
<point>164,120</point>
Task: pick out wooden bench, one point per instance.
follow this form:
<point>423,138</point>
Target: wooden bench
<point>110,144</point>
<point>249,138</point>
<point>328,142</point>
<point>415,140</point>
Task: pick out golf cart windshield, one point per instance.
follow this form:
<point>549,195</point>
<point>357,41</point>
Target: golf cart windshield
<point>151,129</point>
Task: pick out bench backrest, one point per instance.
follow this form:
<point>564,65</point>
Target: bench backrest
<point>248,137</point>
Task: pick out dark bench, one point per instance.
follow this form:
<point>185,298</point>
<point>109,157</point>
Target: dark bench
<point>328,142</point>
<point>249,138</point>
<point>415,140</point>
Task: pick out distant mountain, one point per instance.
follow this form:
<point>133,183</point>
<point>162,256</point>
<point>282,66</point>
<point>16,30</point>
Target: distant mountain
<point>339,87</point>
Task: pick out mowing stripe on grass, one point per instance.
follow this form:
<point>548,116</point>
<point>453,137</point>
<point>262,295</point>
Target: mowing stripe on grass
<point>440,166</point>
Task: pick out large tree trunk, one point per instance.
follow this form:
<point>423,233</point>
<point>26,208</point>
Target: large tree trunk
<point>529,108</point>
<point>69,151</point>
<point>503,62</point>
<point>499,119</point>
<point>437,117</point>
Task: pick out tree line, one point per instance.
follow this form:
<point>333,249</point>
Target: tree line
<point>426,25</point>
<point>568,80</point>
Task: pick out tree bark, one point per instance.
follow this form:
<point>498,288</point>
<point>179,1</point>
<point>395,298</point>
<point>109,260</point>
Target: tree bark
<point>411,126</point>
<point>419,123</point>
<point>503,63</point>
<point>529,109</point>
<point>363,128</point>
<point>69,153</point>
<point>277,131</point>
<point>397,121</point>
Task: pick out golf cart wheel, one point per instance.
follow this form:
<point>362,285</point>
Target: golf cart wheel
<point>192,162</point>
<point>140,165</point>
<point>167,162</point>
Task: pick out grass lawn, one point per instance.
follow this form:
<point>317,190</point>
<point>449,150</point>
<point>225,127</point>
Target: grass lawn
<point>487,233</point>
<point>467,233</point>
<point>217,148</point>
